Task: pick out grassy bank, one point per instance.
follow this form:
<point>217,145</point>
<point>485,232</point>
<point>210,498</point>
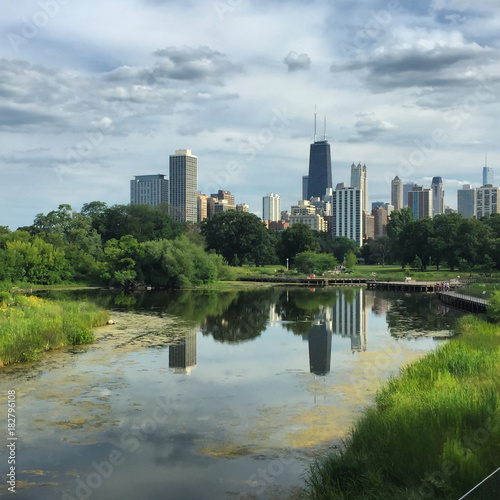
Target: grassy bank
<point>434,431</point>
<point>30,325</point>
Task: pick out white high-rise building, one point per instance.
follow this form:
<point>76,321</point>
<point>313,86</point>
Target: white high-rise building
<point>359,181</point>
<point>487,200</point>
<point>184,186</point>
<point>437,196</point>
<point>149,190</point>
<point>397,193</point>
<point>271,207</point>
<point>347,219</point>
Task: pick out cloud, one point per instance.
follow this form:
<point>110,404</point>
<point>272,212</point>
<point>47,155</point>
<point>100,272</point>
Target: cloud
<point>193,64</point>
<point>368,127</point>
<point>296,62</point>
<point>424,67</point>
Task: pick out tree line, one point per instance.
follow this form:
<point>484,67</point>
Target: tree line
<point>446,239</point>
<point>126,245</point>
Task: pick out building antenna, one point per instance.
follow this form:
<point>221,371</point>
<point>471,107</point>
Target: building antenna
<point>315,123</point>
<point>325,130</point>
<point>486,159</point>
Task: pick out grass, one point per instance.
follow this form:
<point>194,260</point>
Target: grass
<point>30,325</point>
<point>434,431</point>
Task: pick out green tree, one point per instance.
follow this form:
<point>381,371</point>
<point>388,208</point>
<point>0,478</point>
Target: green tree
<point>296,239</point>
<point>397,227</point>
<point>341,246</point>
<point>350,260</point>
<point>239,235</point>
<point>443,242</point>
<point>121,256</point>
<point>312,262</point>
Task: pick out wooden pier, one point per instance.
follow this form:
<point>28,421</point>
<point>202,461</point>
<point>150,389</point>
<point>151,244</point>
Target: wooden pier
<point>466,302</point>
<point>316,281</point>
<point>406,286</point>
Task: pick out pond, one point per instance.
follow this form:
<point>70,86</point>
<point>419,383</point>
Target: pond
<point>209,394</point>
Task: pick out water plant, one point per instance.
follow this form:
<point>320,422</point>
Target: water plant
<point>30,325</point>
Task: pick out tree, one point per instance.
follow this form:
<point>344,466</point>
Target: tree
<point>342,245</point>
<point>311,262</point>
<point>239,237</point>
<point>443,242</point>
<point>296,239</point>
<point>399,222</point>
<point>377,251</point>
<point>350,260</point>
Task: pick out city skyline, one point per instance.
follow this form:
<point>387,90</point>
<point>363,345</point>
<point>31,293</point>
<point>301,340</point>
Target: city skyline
<point>410,89</point>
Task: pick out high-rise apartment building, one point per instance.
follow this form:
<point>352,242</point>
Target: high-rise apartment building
<point>202,207</point>
<point>184,186</point>
<point>271,207</point>
<point>347,219</point>
<point>359,181</point>
<point>406,189</point>
<point>466,201</point>
<point>149,190</point>
<point>487,198</point>
<point>380,215</point>
<point>420,201</point>
<point>437,196</point>
<point>397,199</point>
<point>225,196</point>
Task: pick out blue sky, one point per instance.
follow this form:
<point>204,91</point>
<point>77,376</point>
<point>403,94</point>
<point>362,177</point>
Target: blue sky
<point>93,93</point>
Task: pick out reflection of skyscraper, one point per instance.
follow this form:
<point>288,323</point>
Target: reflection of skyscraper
<point>182,354</point>
<point>320,348</point>
<point>349,318</point>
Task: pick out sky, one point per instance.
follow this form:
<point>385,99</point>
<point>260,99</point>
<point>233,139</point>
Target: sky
<point>93,93</point>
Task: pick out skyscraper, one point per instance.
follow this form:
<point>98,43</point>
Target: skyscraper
<point>420,201</point>
<point>305,186</point>
<point>406,189</point>
<point>359,181</point>
<point>488,176</point>
<point>487,200</point>
<point>271,207</point>
<point>437,196</point>
<point>184,186</point>
<point>466,201</point>
<point>149,190</point>
<point>397,193</point>
<point>347,219</point>
<point>320,167</point>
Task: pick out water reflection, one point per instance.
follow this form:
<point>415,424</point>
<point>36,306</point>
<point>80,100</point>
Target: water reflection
<point>182,354</point>
<point>255,393</point>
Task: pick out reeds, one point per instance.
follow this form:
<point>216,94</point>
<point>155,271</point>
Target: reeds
<point>30,325</point>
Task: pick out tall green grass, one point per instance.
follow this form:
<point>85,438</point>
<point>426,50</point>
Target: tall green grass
<point>434,431</point>
<point>30,325</point>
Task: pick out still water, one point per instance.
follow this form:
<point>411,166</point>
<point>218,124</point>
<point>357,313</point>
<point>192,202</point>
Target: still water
<point>209,395</point>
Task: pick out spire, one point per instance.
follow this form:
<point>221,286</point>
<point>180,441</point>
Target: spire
<point>485,159</point>
<point>324,137</point>
<point>315,123</point>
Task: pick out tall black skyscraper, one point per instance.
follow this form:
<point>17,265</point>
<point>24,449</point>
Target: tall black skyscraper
<point>320,167</point>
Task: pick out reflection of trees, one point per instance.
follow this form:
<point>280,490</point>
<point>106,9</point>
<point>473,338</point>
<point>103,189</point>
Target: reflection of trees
<point>300,307</point>
<point>245,317</point>
<point>418,312</point>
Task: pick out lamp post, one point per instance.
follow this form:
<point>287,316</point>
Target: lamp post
<point>287,263</point>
